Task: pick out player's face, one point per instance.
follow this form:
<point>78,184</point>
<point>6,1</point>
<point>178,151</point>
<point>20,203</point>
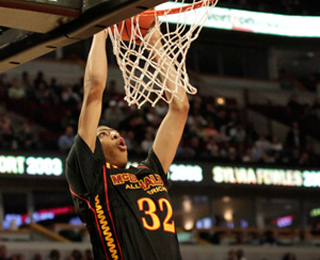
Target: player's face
<point>113,145</point>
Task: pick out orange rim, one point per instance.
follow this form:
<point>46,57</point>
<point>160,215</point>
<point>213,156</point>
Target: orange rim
<point>175,10</point>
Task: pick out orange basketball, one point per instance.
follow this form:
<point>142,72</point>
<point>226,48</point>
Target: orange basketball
<point>126,28</point>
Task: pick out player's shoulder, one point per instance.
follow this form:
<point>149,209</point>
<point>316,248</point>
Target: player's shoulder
<point>81,151</point>
<point>152,161</point>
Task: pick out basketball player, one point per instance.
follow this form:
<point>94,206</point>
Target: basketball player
<point>127,211</point>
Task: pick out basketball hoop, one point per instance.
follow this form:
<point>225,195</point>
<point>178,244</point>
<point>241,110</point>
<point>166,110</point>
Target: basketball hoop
<point>180,9</point>
<point>180,25</point>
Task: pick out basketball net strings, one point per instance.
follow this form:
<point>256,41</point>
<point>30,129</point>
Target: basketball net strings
<point>144,78</point>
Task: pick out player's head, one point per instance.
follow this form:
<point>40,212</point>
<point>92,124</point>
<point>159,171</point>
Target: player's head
<point>113,146</point>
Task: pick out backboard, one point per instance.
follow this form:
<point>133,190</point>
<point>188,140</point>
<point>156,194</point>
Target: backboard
<point>32,28</point>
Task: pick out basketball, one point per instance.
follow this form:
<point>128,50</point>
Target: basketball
<point>140,27</point>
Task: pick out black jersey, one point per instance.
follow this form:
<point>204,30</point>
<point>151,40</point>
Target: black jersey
<point>127,211</point>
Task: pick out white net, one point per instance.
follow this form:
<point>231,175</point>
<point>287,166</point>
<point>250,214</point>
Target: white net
<point>144,79</point>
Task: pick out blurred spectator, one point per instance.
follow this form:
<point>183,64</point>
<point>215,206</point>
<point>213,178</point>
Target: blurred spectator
<point>114,91</point>
<point>279,159</point>
<point>136,123</point>
<point>54,255</point>
<point>27,137</point>
<point>251,133</point>
<point>221,119</point>
<point>234,118</point>
<point>69,97</point>
<point>196,125</point>
<point>161,108</point>
<point>5,120</point>
<point>213,131</point>
<point>152,117</point>
<point>294,107</point>
<point>17,257</point>
<point>113,115</point>
<point>289,256</point>
<point>7,137</point>
<point>224,150</point>
<point>257,153</point>
<point>311,82</point>
<point>88,255</point>
<point>240,255</point>
<point>42,94</point>
<point>210,110</point>
<point>269,239</point>
<point>3,252</point>
<point>16,91</point>
<point>267,158</point>
<point>39,80</point>
<point>238,133</point>
<point>130,140</point>
<point>54,89</point>
<point>67,139</point>
<point>147,143</point>
<point>26,84</point>
<point>248,156</point>
<point>196,145</point>
<point>210,131</point>
<point>232,255</point>
<point>295,138</point>
<point>185,151</point>
<point>37,256</point>
<point>312,154</point>
<point>233,155</point>
<point>68,119</point>
<point>276,145</point>
<point>263,143</point>
<point>212,148</point>
<point>76,254</point>
<point>304,160</point>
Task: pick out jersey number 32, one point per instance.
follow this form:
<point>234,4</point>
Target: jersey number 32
<point>151,209</point>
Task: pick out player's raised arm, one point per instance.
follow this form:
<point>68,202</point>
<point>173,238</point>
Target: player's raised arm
<point>95,78</point>
<point>172,126</point>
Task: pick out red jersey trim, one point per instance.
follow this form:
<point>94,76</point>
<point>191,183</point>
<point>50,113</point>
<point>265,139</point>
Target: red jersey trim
<point>96,219</point>
<point>109,211</point>
<point>143,166</point>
